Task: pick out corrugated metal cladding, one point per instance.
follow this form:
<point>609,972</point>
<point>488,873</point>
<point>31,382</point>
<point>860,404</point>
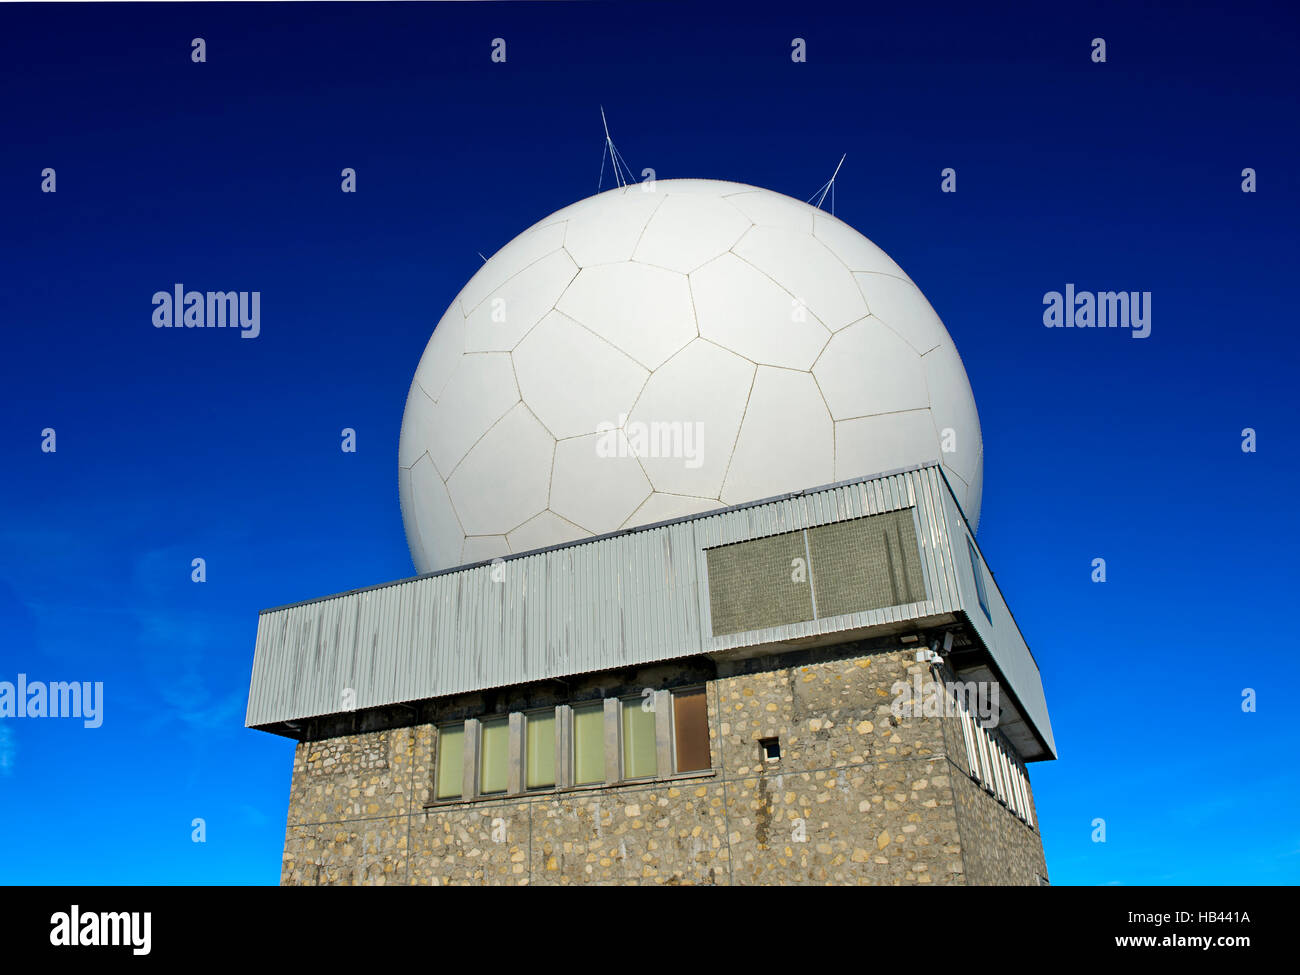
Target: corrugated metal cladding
<point>609,602</point>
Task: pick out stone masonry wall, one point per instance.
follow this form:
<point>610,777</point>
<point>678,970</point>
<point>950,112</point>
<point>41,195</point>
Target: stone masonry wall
<point>997,847</point>
<point>857,797</point>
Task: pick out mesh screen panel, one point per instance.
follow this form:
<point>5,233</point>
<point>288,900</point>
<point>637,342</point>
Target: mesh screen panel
<point>758,583</point>
<point>866,563</point>
<point>849,567</point>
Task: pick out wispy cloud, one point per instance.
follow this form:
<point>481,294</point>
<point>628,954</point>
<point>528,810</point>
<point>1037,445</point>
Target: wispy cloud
<point>8,750</point>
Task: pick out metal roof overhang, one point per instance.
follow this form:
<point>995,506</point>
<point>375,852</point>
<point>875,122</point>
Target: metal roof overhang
<point>630,598</point>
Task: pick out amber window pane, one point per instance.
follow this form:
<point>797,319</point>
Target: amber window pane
<point>691,730</point>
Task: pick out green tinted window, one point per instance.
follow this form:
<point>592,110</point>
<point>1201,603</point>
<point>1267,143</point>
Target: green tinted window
<point>494,755</point>
<point>451,761</point>
<point>589,744</point>
<point>539,750</point>
<point>639,758</point>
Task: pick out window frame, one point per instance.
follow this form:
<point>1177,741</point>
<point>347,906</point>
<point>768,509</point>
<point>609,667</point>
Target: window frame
<point>980,592</point>
<point>610,746</point>
<point>528,715</point>
<point>481,754</point>
<point>597,706</point>
<point>637,700</point>
<point>986,759</point>
<point>968,739</point>
<point>438,763</point>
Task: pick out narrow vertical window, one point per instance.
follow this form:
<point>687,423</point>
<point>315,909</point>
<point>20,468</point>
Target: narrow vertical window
<point>986,766</point>
<point>691,730</point>
<point>451,759</point>
<point>1022,801</point>
<point>1002,774</point>
<point>968,739</point>
<point>639,760</point>
<point>1022,806</point>
<point>539,749</point>
<point>995,752</point>
<point>979,579</point>
<point>1013,777</point>
<point>1024,785</point>
<point>995,781</point>
<point>494,755</point>
<point>1008,793</point>
<point>589,744</point>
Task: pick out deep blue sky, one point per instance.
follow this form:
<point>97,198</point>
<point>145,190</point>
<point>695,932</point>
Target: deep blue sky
<point>174,444</point>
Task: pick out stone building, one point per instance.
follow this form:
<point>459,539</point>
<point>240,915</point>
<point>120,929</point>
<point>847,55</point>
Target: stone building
<point>821,688</point>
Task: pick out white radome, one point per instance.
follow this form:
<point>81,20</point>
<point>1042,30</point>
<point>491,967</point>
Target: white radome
<point>647,354</point>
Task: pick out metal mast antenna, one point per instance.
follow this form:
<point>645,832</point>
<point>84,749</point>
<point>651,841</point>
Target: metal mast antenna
<point>622,171</point>
<point>828,187</point>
